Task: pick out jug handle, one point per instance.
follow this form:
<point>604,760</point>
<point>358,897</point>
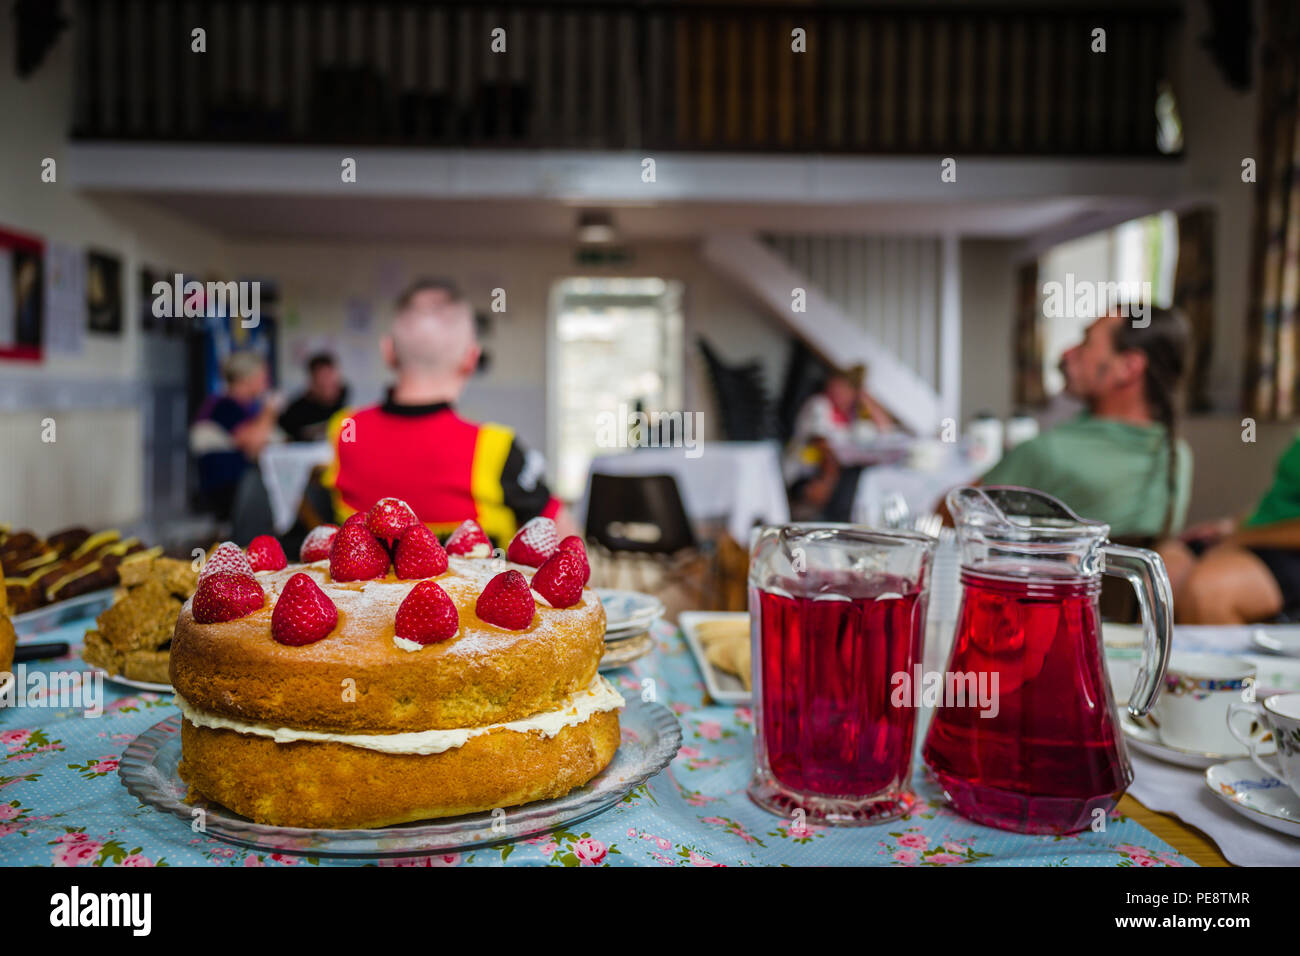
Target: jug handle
<point>1146,572</point>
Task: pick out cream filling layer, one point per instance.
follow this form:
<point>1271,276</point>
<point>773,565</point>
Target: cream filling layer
<point>600,696</point>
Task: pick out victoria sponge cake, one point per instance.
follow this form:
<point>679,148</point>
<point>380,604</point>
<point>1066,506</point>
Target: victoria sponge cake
<point>392,678</point>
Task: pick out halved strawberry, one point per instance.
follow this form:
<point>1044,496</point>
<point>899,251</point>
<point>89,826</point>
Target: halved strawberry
<point>316,546</point>
<point>389,518</point>
<point>507,602</point>
<point>304,613</point>
<point>418,554</point>
<point>228,558</point>
<point>427,615</point>
<point>225,596</point>
<point>470,541</point>
<point>560,579</point>
<point>577,546</point>
<point>265,554</point>
<point>534,543</point>
<point>355,555</point>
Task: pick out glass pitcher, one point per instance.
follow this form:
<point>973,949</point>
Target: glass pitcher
<point>837,613</point>
<point>1025,736</point>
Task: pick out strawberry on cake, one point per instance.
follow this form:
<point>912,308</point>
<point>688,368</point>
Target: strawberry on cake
<point>389,678</point>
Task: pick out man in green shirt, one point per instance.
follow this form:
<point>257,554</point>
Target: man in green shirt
<point>1113,463</point>
<point>1247,571</point>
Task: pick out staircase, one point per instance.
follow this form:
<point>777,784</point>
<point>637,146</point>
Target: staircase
<point>837,337</point>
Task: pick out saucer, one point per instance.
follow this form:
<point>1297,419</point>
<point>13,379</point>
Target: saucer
<point>1256,795</point>
<point>1145,738</point>
<point>628,611</point>
<point>1277,640</point>
<point>626,651</point>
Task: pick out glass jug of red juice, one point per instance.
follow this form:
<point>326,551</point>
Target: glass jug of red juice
<point>1039,748</point>
<point>837,612</point>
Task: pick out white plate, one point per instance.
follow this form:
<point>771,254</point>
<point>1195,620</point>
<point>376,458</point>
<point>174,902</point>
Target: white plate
<point>723,687</point>
<point>625,632</point>
<point>136,684</point>
<point>1121,635</point>
<point>629,610</point>
<point>1255,795</point>
<point>1144,738</point>
<point>1279,639</point>
<point>61,612</point>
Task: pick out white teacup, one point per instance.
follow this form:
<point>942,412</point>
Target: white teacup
<point>1279,716</point>
<point>1192,710</point>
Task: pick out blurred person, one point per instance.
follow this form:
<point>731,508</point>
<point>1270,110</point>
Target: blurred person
<point>1121,460</point>
<point>821,482</point>
<point>416,447</point>
<point>232,427</point>
<point>1242,570</point>
<point>428,293</point>
<point>307,417</point>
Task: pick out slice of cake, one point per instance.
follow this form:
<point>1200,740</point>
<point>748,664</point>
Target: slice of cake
<point>133,636</point>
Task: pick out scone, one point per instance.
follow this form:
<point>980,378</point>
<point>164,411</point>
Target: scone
<point>363,727</point>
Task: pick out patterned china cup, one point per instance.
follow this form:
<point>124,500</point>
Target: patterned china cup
<point>1277,716</point>
<point>1193,707</point>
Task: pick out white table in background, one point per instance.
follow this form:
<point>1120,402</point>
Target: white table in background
<point>739,482</point>
<point>922,489</point>
<point>286,469</point>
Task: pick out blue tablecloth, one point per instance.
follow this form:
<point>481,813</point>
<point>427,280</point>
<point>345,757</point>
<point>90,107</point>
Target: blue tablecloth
<point>62,803</point>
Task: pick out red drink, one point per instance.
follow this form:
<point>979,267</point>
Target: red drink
<point>1052,755</point>
<point>829,644</point>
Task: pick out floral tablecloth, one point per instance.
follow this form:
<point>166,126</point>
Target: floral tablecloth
<point>62,803</point>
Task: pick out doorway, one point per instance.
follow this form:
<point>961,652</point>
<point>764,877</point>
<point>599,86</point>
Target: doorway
<point>616,348</point>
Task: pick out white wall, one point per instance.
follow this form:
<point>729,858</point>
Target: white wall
<point>988,313</point>
<point>889,284</point>
<point>93,473</point>
<point>1219,131</point>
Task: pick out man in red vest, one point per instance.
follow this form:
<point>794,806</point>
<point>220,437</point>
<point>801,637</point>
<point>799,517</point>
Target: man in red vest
<point>416,447</point>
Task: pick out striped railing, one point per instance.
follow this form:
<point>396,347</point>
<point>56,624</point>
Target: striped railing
<point>880,79</point>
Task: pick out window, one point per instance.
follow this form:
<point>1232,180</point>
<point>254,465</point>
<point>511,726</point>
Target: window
<point>1127,263</point>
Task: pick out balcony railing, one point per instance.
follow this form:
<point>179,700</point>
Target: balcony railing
<point>651,76</point>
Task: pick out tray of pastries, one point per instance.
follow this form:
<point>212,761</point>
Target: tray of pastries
<point>67,575</point>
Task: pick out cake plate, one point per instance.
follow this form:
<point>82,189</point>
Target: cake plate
<point>651,738</point>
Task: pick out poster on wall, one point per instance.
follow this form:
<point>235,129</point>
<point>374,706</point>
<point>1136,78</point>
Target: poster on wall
<point>22,296</point>
<point>104,293</point>
<point>65,298</point>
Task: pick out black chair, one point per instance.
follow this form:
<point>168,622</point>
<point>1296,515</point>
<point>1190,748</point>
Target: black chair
<point>642,516</point>
<point>744,407</point>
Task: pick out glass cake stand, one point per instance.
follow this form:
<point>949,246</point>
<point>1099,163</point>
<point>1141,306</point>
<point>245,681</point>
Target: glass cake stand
<point>651,738</point>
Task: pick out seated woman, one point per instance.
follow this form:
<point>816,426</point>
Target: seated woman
<point>821,484</point>
<point>1231,571</point>
<point>231,429</point>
